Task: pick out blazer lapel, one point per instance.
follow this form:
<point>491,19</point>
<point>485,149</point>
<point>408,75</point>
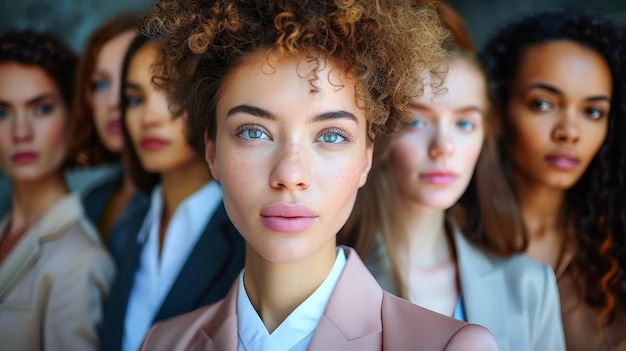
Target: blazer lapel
<point>52,224</point>
<point>483,288</point>
<point>128,261</point>
<point>352,318</point>
<point>213,265</point>
<point>220,332</point>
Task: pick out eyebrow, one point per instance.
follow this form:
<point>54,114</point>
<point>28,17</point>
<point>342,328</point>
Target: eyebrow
<point>464,109</point>
<point>259,112</point>
<point>34,100</point>
<point>556,91</point>
<point>131,85</point>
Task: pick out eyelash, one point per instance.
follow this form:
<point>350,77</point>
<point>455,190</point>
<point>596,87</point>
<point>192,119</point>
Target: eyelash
<point>347,137</point>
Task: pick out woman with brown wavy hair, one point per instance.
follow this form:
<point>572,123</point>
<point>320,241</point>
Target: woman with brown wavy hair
<point>417,241</point>
<point>284,98</point>
<point>560,83</point>
<point>97,129</point>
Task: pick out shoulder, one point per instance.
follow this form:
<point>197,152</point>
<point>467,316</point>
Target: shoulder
<point>406,325</point>
<point>525,276</point>
<point>181,331</point>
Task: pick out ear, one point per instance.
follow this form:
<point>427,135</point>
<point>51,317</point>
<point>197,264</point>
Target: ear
<point>369,154</point>
<point>209,155</point>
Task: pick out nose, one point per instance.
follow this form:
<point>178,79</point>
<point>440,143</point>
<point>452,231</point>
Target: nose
<point>441,144</point>
<point>292,169</point>
<point>22,128</point>
<point>155,111</point>
<point>567,129</point>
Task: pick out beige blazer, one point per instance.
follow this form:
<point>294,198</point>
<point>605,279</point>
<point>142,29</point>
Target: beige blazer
<point>359,316</point>
<point>53,282</point>
<point>515,298</point>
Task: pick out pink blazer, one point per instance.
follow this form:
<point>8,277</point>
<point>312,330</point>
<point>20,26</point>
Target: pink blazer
<point>359,316</point>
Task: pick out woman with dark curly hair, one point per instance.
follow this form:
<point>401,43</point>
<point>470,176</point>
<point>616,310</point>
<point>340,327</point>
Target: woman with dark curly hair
<point>284,98</point>
<point>560,82</point>
<point>97,133</point>
<point>54,273</point>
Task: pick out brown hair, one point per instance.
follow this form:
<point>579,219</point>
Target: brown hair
<point>86,147</point>
<point>380,43</point>
<point>484,211</point>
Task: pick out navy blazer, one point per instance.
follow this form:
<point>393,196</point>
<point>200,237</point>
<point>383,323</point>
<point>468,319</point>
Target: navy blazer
<point>206,277</point>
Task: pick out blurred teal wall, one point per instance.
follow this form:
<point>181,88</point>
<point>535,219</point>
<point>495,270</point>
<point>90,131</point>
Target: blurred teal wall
<point>73,20</point>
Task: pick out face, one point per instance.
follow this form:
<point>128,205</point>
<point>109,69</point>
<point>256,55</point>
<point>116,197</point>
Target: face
<point>33,121</point>
<point>104,92</point>
<point>290,161</point>
<point>558,111</point>
<point>158,138</point>
<point>433,159</point>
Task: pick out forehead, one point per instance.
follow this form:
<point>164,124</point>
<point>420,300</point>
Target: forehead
<point>564,64</point>
<point>114,49</point>
<point>21,82</point>
<point>289,84</point>
<point>465,85</point>
<point>142,62</point>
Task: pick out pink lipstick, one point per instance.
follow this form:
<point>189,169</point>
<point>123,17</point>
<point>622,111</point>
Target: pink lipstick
<point>438,177</point>
<point>288,218</point>
<point>565,161</point>
<point>24,157</point>
<point>153,143</point>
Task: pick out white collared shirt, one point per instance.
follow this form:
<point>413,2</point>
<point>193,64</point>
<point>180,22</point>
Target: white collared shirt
<point>156,275</point>
<point>296,331</point>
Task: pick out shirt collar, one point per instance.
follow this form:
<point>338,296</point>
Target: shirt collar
<point>299,325</point>
<point>197,207</point>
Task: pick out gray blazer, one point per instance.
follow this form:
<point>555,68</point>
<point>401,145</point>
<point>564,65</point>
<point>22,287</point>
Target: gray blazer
<point>515,298</point>
<point>53,282</point>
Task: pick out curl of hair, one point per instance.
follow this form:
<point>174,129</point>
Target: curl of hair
<point>86,147</point>
<point>46,51</point>
<point>595,211</point>
<point>383,45</point>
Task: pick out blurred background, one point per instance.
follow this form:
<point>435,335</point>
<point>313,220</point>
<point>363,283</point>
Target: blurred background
<point>73,20</point>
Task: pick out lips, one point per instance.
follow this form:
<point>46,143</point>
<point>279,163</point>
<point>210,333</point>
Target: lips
<point>562,160</point>
<point>438,177</point>
<point>24,157</point>
<point>114,126</point>
<point>288,218</point>
<point>153,143</point>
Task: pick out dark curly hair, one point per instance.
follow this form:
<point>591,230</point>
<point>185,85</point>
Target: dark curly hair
<point>86,146</point>
<point>382,44</point>
<point>595,204</point>
<point>42,50</point>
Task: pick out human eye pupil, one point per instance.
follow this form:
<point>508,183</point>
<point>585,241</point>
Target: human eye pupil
<point>44,109</point>
<point>254,133</point>
<point>331,137</point>
<point>416,123</point>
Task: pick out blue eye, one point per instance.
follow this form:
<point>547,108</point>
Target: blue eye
<point>417,123</point>
<point>540,105</point>
<point>331,138</point>
<point>133,101</point>
<point>100,85</point>
<point>465,125</point>
<point>253,133</point>
<point>44,109</point>
<point>594,113</point>
<point>3,112</point>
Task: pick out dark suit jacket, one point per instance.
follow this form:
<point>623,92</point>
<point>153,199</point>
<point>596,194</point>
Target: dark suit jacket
<point>359,316</point>
<point>206,277</point>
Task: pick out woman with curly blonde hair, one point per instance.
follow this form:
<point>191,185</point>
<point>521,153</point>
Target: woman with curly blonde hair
<point>284,99</point>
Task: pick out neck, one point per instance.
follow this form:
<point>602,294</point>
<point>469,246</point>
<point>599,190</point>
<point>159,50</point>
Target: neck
<point>180,183</point>
<point>31,199</point>
<point>541,207</point>
<point>276,289</point>
<point>428,244</point>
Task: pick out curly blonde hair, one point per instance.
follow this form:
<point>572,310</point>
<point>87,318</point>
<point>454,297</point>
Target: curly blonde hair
<point>385,46</point>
